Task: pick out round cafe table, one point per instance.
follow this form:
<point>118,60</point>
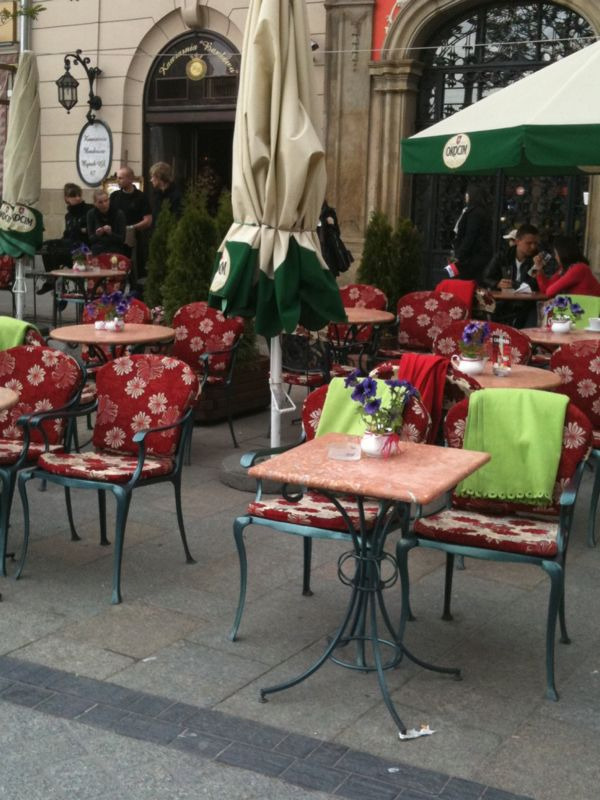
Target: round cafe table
<point>133,334</point>
<point>8,398</point>
<point>520,377</point>
<point>368,316</point>
<point>81,277</point>
<point>545,337</point>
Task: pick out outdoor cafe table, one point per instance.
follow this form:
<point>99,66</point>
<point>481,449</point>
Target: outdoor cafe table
<point>511,294</point>
<point>8,398</point>
<point>97,276</point>
<point>359,319</point>
<point>133,334</point>
<point>418,474</point>
<point>520,377</point>
<point>545,337</point>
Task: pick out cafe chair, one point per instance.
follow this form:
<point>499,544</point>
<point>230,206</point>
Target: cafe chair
<point>47,381</point>
<point>420,318</point>
<point>498,530</point>
<point>15,332</point>
<point>110,261</point>
<point>7,278</point>
<point>578,365</point>
<point>208,341</point>
<point>143,420</point>
<point>447,341</point>
<point>362,340</point>
<point>314,516</point>
<point>307,360</point>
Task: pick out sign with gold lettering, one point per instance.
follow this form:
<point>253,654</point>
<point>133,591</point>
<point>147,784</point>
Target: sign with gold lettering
<point>94,152</point>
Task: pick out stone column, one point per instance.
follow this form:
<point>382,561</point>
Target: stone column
<point>393,111</point>
<point>348,43</point>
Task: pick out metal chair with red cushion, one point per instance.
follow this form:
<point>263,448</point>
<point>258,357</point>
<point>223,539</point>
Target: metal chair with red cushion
<point>578,365</point>
<point>313,516</point>
<point>421,316</point>
<point>208,342</point>
<point>143,421</point>
<point>499,530</point>
<point>446,343</point>
<point>46,381</point>
<point>345,340</point>
<point>111,261</point>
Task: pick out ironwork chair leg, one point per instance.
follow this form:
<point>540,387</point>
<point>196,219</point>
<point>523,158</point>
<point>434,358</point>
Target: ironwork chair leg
<point>591,538</point>
<point>556,575</point>
<point>229,417</point>
<point>23,478</point>
<point>74,536</point>
<point>8,489</point>
<point>102,516</point>
<point>240,524</point>
<point>307,547</point>
<point>189,559</point>
<point>123,501</point>
<point>448,586</point>
<point>406,614</point>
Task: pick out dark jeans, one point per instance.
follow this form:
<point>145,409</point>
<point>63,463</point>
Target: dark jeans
<point>56,253</point>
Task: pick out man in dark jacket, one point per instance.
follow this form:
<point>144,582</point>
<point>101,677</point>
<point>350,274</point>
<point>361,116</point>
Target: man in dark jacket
<point>161,179</point>
<point>473,235</point>
<point>106,226</point>
<point>138,216</point>
<point>56,253</point>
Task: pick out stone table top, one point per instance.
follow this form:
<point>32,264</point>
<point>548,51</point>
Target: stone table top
<point>133,333</point>
<point>546,337</point>
<point>520,377</point>
<point>368,316</point>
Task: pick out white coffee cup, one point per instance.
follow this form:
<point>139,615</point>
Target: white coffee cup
<point>594,323</point>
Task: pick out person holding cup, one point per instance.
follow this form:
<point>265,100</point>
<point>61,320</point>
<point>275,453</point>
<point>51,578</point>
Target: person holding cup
<point>573,275</point>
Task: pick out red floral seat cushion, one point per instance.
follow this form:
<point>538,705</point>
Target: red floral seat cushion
<point>139,392</point>
<point>44,379</point>
<point>109,261</point>
<point>578,365</point>
<point>422,316</point>
<point>7,271</point>
<point>11,450</point>
<point>357,295</point>
<point>200,329</point>
<point>313,510</point>
<point>508,533</point>
<point>102,466</point>
<point>518,343</point>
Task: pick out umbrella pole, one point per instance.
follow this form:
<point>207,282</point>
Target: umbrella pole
<point>19,287</point>
<point>281,402</point>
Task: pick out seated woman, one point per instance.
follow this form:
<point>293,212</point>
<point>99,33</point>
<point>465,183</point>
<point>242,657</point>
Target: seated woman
<point>573,274</point>
<point>106,226</point>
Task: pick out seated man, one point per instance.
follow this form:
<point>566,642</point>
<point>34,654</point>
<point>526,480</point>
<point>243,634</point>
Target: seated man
<point>509,269</point>
<point>106,227</point>
<point>56,253</point>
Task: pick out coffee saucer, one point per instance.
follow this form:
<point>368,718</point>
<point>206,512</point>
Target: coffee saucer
<point>588,328</point>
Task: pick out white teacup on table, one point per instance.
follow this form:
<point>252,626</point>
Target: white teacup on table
<point>594,323</point>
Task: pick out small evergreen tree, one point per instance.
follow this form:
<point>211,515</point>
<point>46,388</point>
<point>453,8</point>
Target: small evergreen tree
<point>157,256</point>
<point>224,215</point>
<point>192,250</point>
<point>392,258</point>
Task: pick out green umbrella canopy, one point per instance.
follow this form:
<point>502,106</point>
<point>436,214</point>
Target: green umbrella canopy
<point>270,263</point>
<point>547,123</point>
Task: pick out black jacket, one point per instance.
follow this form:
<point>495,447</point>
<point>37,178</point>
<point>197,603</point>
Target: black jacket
<point>503,265</point>
<point>473,244</point>
<point>113,242</point>
<point>76,225</point>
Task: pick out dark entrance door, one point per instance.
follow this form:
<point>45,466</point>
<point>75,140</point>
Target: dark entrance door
<point>469,58</point>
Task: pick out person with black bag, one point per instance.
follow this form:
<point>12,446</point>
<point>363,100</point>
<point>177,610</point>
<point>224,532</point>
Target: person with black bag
<point>335,253</point>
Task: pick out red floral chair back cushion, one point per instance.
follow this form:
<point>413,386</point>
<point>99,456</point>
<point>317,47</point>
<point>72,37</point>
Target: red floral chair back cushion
<point>519,345</point>
<point>109,261</point>
<point>7,271</point>
<point>415,427</point>
<point>578,365</point>
<point>422,316</point>
<point>139,392</point>
<point>200,329</point>
<point>44,379</point>
<point>358,295</point>
<point>577,434</point>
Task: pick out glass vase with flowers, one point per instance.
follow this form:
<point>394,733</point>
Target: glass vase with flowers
<point>472,347</point>
<point>382,415</point>
<point>561,312</point>
<point>79,256</point>
<point>108,311</point>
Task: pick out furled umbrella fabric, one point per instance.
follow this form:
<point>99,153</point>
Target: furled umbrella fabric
<point>270,265</point>
<point>547,123</point>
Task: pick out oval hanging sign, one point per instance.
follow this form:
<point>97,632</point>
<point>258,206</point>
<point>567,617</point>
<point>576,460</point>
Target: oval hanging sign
<point>94,152</point>
<point>456,151</point>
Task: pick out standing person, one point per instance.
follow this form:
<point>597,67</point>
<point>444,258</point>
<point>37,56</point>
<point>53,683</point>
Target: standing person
<point>106,227</point>
<point>473,235</point>
<point>138,215</point>
<point>161,179</point>
<point>510,268</point>
<point>56,253</point>
<point>573,274</point>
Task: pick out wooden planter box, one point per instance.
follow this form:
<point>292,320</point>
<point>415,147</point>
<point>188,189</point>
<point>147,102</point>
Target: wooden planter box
<point>249,392</point>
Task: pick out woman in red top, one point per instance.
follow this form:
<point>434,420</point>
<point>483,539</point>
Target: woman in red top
<point>573,274</point>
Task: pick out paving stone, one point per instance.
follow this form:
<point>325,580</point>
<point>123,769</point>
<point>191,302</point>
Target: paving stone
<point>406,777</point>
<point>313,776</point>
<point>178,712</point>
<point>457,789</point>
<point>150,730</point>
<point>298,746</point>
<point>263,761</point>
<point>102,716</point>
<point>24,695</point>
<point>236,729</point>
<point>151,706</point>
<point>65,705</point>
<point>328,753</point>
<point>64,653</point>
<point>201,743</point>
<point>357,788</point>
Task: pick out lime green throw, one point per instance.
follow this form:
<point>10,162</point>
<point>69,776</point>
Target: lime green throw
<point>13,332</point>
<point>591,308</point>
<point>523,431</point>
<point>341,414</point>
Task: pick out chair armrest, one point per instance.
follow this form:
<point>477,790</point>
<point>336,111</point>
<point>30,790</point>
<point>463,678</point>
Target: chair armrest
<point>139,437</point>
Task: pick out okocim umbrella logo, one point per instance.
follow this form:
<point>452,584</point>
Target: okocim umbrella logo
<point>456,151</point>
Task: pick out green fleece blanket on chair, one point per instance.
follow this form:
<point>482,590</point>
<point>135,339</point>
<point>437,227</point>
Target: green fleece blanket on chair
<point>13,332</point>
<point>341,414</point>
<point>523,431</point>
<point>591,308</point>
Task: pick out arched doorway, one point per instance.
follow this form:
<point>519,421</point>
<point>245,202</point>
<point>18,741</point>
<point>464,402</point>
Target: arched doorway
<point>189,109</point>
<point>469,57</point>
